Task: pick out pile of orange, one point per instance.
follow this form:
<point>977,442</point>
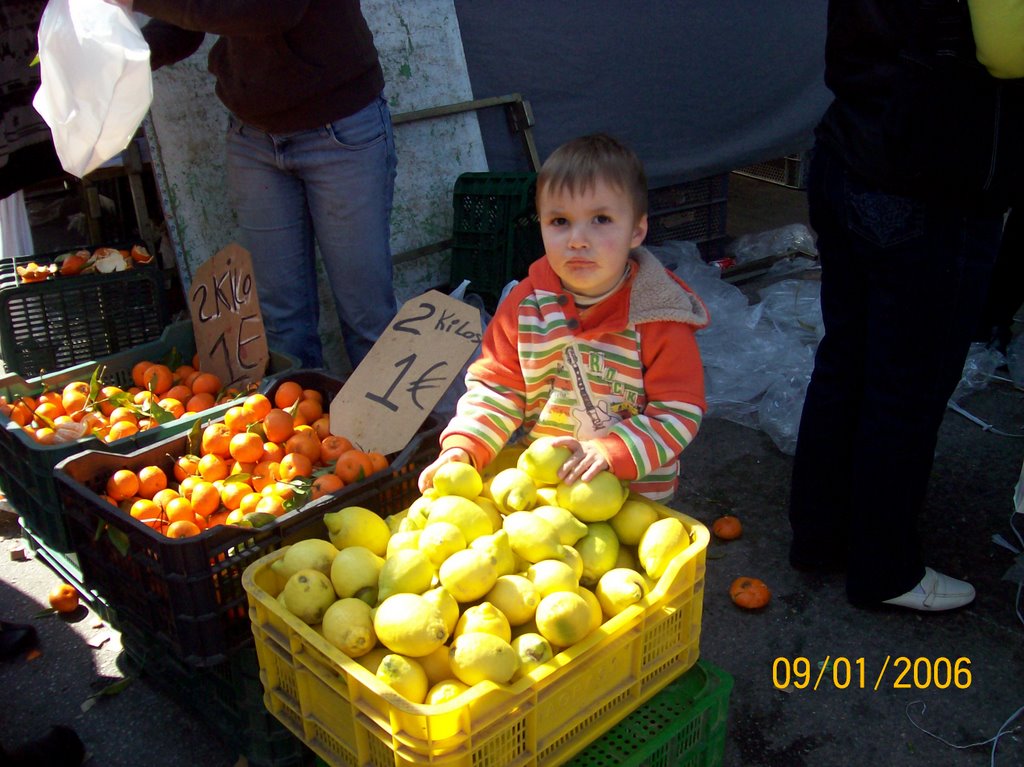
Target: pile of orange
<point>158,394</point>
<point>265,456</point>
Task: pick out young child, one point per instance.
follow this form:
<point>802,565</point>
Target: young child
<point>596,346</point>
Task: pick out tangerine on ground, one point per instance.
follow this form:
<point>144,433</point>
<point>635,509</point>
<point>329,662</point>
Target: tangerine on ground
<point>212,467</point>
<point>750,593</point>
<point>122,484</point>
<point>352,466</point>
<point>63,598</point>
<point>294,466</point>
<point>258,405</point>
<point>180,508</point>
<point>271,504</point>
<point>278,425</point>
<point>183,528</point>
<point>217,439</point>
<point>325,484</point>
<point>206,383</point>
<point>197,403</point>
<point>246,447</point>
<point>333,446</point>
<point>152,480</point>
<point>287,394</point>
<point>727,528</point>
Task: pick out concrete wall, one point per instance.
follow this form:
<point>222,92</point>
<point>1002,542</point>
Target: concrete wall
<point>424,66</point>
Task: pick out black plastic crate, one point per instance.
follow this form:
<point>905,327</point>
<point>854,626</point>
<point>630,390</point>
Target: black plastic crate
<point>188,591</point>
<point>495,231</point>
<point>62,321</point>
<point>694,211</point>
<point>227,696</point>
<point>26,466</point>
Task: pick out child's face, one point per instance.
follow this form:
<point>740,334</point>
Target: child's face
<point>588,236</point>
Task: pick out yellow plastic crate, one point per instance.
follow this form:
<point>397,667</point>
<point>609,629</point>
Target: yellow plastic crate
<point>350,719</point>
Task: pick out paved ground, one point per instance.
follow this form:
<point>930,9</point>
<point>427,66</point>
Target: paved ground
<point>729,469</point>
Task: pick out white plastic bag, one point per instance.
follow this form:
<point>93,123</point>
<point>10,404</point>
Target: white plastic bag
<point>96,80</point>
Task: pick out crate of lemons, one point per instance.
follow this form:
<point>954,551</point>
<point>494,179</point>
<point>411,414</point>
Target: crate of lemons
<point>478,580</point>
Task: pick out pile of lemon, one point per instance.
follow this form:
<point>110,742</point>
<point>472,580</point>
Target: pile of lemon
<point>481,578</point>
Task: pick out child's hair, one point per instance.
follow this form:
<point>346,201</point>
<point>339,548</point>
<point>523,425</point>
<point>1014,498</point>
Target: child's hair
<point>577,165</point>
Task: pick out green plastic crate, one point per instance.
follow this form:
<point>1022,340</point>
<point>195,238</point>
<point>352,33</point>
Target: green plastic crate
<point>495,231</point>
<point>62,321</point>
<point>26,467</point>
<point>681,726</point>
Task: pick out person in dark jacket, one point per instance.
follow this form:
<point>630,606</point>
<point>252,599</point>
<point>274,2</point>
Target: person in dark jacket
<point>310,154</point>
<point>908,184</point>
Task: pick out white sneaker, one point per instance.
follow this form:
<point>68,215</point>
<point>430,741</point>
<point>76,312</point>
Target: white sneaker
<point>935,592</point>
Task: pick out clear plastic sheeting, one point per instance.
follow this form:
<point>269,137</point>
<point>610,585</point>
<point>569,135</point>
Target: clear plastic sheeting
<point>792,238</point>
<point>979,367</point>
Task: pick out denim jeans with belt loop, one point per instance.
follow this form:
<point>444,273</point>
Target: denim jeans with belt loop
<point>332,185</point>
<point>904,282</point>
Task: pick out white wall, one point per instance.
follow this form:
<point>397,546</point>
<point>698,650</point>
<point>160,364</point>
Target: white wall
<point>421,52</point>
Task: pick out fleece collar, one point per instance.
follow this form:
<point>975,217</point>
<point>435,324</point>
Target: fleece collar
<point>658,296</point>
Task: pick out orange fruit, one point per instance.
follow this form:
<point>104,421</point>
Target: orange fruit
<point>750,593</point>
<point>179,392</point>
<point>288,392</point>
<point>278,425</point>
<point>217,439</point>
<point>212,467</point>
<point>152,480</point>
<point>378,460</point>
<point>246,447</point>
<point>157,378</point>
<point>727,528</point>
<point>63,598</point>
<point>183,528</point>
<point>241,467</point>
<point>232,493</point>
<point>332,447</point>
<point>122,484</point>
<point>182,372</point>
<point>304,442</point>
<point>206,383</point>
<point>49,410</point>
<point>197,403</point>
<point>185,466</point>
<point>205,498</point>
<point>187,484</point>
<point>147,423</point>
<point>45,436</point>
<point>308,410</point>
<point>173,406</point>
<point>353,465</point>
<point>145,509</point>
<point>74,396</point>
<point>165,496</point>
<point>312,394</point>
<point>249,502</point>
<point>273,451</point>
<point>282,489</point>
<point>119,414</point>
<point>140,398</point>
<point>326,483</point>
<point>138,370</point>
<point>271,504</point>
<point>22,413</point>
<point>264,473</point>
<point>180,508</point>
<point>322,426</point>
<point>294,466</point>
<point>238,418</point>
<point>258,405</point>
<point>121,430</point>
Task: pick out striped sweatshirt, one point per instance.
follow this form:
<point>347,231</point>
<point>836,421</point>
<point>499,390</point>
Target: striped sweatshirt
<point>625,373</point>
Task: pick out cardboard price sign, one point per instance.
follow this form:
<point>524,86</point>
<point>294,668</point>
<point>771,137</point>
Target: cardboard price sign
<point>230,338</point>
<point>393,390</point>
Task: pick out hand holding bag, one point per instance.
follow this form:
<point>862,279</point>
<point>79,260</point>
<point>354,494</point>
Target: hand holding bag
<point>96,80</point>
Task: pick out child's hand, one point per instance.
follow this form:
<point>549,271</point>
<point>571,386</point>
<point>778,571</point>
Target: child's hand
<point>585,463</point>
<point>451,455</point>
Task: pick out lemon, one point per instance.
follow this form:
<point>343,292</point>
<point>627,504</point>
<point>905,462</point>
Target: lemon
<point>551,575</point>
<point>405,676</point>
<point>372,659</point>
<point>468,574</point>
<point>458,479</point>
<point>439,540</point>
<point>491,509</point>
<point>461,512</point>
<point>498,546</point>
<point>436,665</point>
<point>394,521</point>
<point>416,514</point>
<point>403,539</point>
<point>446,603</point>
<point>563,618</point>
<point>532,537</point>
<point>596,613</point>
<point>620,588</point>
<point>513,490</point>
<point>594,501</point>
<point>547,495</point>
<point>310,554</point>
<point>516,596</point>
<point>541,460</point>
<point>348,626</point>
<point>480,657</point>
<point>662,541</point>
<point>632,521</point>
<point>308,594</point>
<point>486,619</point>
<point>354,569</point>
<point>572,558</point>
<point>506,459</point>
<point>533,651</point>
<point>599,549</point>
<point>409,624</point>
<point>444,691</point>
<point>406,571</point>
<point>356,526</point>
<point>569,528</point>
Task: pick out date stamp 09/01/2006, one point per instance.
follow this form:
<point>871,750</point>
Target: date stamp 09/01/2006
<point>899,673</point>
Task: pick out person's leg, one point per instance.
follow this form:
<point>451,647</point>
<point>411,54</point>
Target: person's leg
<point>1007,291</point>
<point>349,172</point>
<point>275,227</point>
<point>820,494</point>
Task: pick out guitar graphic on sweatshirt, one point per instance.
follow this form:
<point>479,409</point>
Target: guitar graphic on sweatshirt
<point>591,419</point>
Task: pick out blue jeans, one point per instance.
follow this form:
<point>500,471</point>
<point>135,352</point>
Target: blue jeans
<point>333,184</point>
<point>903,285</point>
